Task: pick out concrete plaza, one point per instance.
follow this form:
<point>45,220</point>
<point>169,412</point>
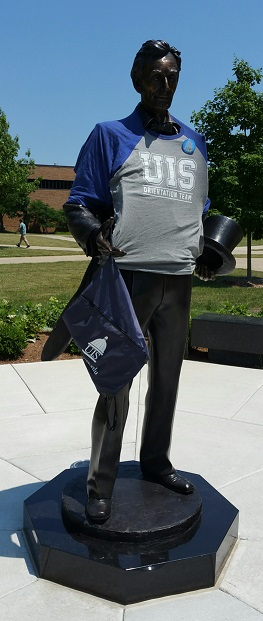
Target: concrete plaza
<point>46,410</point>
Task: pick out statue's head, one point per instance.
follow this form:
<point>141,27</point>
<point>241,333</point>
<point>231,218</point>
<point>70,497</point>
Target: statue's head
<point>155,74</point>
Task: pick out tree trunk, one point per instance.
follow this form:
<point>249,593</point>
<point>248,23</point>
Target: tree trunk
<point>249,268</point>
<point>1,222</point>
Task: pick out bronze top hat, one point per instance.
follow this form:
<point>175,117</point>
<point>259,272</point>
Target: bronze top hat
<point>221,236</point>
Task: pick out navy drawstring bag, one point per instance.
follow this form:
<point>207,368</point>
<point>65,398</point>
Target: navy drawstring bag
<point>103,324</point>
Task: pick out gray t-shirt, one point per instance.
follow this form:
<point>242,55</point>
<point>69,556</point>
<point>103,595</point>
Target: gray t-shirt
<point>158,195</point>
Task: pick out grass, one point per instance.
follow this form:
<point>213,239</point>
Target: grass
<point>210,296</point>
<point>254,253</point>
<point>37,240</point>
<point>6,253</point>
<point>43,241</point>
<point>255,242</point>
<point>39,281</point>
<point>257,255</point>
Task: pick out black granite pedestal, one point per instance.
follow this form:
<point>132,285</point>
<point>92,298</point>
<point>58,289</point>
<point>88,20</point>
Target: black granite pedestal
<point>155,543</point>
<point>230,339</point>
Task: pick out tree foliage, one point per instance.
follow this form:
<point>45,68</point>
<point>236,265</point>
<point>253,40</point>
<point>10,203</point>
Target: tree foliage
<point>14,174</point>
<point>40,217</point>
<point>61,222</point>
<point>233,125</point>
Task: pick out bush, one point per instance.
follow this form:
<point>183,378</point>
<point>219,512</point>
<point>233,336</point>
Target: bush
<point>60,221</point>
<point>40,217</point>
<point>12,341</point>
<point>5,309</point>
<point>73,349</point>
<point>29,318</point>
<point>52,311</point>
<point>18,324</point>
<point>234,309</point>
<point>32,317</point>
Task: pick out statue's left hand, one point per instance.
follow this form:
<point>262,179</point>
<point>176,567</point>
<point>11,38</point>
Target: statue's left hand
<point>204,272</point>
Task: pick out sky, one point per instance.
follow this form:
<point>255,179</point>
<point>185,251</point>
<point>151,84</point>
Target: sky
<point>65,64</point>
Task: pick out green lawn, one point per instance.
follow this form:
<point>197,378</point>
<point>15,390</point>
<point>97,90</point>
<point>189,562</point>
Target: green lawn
<point>255,242</point>
<point>254,255</point>
<point>210,296</point>
<point>38,281</point>
<point>6,252</point>
<point>37,240</point>
<point>11,239</point>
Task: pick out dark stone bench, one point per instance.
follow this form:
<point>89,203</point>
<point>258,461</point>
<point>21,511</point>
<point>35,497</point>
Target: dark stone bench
<point>230,339</point>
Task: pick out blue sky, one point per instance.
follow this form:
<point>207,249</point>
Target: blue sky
<point>65,64</point>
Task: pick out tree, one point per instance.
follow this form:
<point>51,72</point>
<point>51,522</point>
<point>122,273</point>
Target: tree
<point>61,222</point>
<point>233,125</point>
<point>14,174</point>
<point>40,217</point>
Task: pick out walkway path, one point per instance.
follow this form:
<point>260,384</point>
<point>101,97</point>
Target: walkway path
<point>51,259</point>
<point>241,261</point>
<point>50,248</point>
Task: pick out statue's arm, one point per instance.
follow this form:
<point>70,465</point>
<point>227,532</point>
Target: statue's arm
<point>92,236</point>
<point>83,226</point>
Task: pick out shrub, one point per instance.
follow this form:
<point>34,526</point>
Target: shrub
<point>40,216</point>
<point>52,311</point>
<point>32,317</point>
<point>73,349</point>
<point>29,318</point>
<point>60,221</point>
<point>5,309</point>
<point>12,341</point>
<point>18,324</point>
<point>234,309</point>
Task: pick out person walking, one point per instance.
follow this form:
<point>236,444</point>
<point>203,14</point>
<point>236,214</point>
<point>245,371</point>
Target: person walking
<point>22,231</point>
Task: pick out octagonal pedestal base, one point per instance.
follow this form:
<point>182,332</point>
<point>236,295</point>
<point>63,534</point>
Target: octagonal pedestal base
<point>132,568</point>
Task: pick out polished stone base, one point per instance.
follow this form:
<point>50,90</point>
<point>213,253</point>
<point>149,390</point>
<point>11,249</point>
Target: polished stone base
<point>230,339</point>
<point>235,358</point>
<point>141,510</point>
<point>130,568</point>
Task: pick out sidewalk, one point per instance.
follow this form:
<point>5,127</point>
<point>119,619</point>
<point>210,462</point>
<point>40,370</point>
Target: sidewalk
<point>241,262</point>
<point>46,411</point>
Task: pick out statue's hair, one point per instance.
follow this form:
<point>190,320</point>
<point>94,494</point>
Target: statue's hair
<point>152,50</point>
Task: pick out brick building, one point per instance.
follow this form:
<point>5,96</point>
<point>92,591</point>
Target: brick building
<point>54,188</point>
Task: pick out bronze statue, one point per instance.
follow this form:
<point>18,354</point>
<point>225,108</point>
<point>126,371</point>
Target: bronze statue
<point>140,195</point>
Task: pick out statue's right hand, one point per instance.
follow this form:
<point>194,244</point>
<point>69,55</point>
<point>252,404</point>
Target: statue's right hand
<point>102,240</point>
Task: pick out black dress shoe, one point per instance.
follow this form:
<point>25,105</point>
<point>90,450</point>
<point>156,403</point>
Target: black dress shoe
<point>98,509</point>
<point>172,481</point>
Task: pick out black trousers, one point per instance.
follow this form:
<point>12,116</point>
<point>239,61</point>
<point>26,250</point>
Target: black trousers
<point>162,304</point>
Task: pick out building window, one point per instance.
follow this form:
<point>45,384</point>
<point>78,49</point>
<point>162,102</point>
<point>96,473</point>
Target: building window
<point>49,184</point>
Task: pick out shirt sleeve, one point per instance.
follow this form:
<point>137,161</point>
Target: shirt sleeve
<point>207,205</point>
<point>93,169</point>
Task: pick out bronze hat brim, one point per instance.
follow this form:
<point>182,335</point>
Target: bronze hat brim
<point>228,260</point>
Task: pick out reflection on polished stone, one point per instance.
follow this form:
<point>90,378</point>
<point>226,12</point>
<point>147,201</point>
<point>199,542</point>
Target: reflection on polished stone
<point>130,567</point>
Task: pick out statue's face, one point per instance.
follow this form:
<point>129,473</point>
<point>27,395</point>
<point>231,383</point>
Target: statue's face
<point>158,84</point>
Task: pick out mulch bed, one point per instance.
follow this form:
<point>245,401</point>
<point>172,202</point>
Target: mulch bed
<point>33,351</point>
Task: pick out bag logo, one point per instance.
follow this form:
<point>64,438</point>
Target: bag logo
<point>94,350</point>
